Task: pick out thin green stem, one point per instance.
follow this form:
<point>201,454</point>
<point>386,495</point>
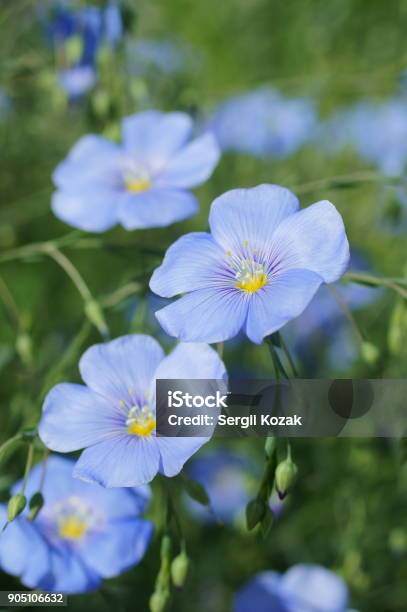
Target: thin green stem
<point>9,303</point>
<point>70,270</point>
<point>343,181</point>
<point>346,311</point>
<point>289,357</point>
<point>28,466</point>
<point>399,285</point>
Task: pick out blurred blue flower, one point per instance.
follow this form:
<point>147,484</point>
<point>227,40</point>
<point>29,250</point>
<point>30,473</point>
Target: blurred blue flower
<point>263,123</point>
<point>162,55</point>
<point>227,478</point>
<point>323,329</point>
<point>83,533</point>
<point>377,131</point>
<point>303,588</point>
<point>140,183</point>
<point>259,268</point>
<point>230,480</point>
<point>77,36</point>
<point>113,417</point>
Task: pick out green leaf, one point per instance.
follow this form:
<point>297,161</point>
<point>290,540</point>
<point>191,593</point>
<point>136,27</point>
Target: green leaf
<point>267,522</point>
<point>196,491</point>
<point>9,447</point>
<point>255,511</point>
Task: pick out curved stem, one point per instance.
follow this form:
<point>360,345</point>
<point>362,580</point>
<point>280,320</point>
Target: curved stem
<point>71,271</point>
<point>343,181</point>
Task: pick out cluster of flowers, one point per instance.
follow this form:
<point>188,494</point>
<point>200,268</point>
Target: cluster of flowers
<point>77,35</point>
<point>258,267</point>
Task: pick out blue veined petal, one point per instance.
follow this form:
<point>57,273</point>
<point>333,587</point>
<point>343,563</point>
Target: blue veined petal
<point>193,262</point>
<point>192,360</point>
<point>284,298</point>
<point>92,158</point>
<point>115,503</point>
<point>175,452</point>
<point>129,461</point>
<point>313,239</point>
<point>119,547</point>
<point>92,210</point>
<point>58,481</point>
<point>74,417</point>
<point>313,588</point>
<point>155,136</point>
<point>247,218</point>
<point>156,208</point>
<point>23,552</point>
<point>123,368</point>
<point>206,315</point>
<point>261,594</point>
<point>71,575</point>
<point>192,165</point>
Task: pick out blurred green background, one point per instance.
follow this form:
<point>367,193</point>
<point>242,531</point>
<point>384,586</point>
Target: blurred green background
<point>348,509</point>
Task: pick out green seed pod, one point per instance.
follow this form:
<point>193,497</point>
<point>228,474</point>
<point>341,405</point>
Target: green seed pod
<point>16,505</point>
<point>35,505</point>
<point>158,601</point>
<point>286,473</point>
<point>24,348</point>
<point>370,353</point>
<point>179,569</point>
<point>270,446</point>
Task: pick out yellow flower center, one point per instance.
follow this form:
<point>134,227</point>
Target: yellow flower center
<point>72,527</point>
<point>138,185</point>
<point>140,421</point>
<point>250,276</point>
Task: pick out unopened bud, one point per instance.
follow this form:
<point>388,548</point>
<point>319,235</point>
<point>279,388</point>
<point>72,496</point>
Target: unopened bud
<point>286,473</point>
<point>370,353</point>
<point>179,569</point>
<point>35,505</point>
<point>158,601</point>
<point>24,348</point>
<point>270,446</point>
<point>16,505</point>
<point>74,49</point>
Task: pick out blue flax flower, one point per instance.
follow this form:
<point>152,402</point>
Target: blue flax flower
<point>230,480</point>
<point>83,533</point>
<point>140,183</point>
<point>77,36</point>
<point>258,268</point>
<point>263,123</point>
<point>303,588</point>
<point>324,331</point>
<point>377,131</point>
<point>113,417</point>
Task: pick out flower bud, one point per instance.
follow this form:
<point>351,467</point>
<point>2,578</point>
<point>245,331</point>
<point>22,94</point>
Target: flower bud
<point>158,601</point>
<point>286,473</point>
<point>270,446</point>
<point>370,353</point>
<point>16,505</point>
<point>24,348</point>
<point>179,569</point>
<point>35,505</point>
